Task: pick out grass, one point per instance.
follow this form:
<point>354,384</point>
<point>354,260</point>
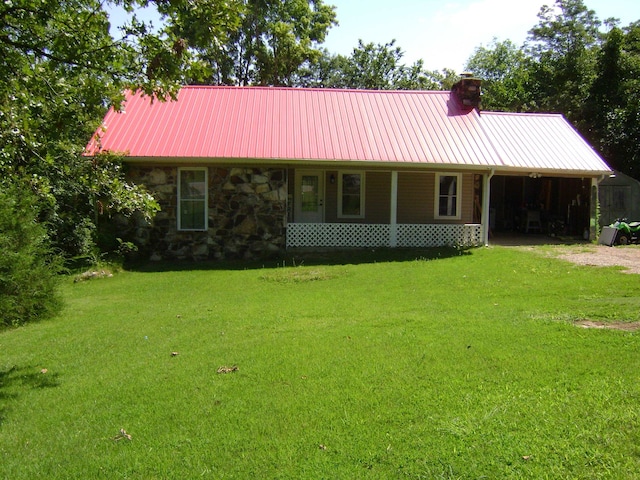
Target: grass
<point>375,365</point>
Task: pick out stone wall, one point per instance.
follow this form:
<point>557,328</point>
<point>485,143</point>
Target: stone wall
<point>247,215</point>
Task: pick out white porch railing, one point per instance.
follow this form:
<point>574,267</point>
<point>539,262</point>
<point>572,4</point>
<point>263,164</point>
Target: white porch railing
<point>382,235</point>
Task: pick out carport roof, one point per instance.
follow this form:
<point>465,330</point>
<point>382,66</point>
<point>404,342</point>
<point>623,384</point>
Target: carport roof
<point>409,128</point>
<point>541,143</point>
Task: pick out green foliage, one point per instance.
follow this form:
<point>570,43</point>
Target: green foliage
<point>378,67</point>
<point>60,69</point>
<point>372,67</point>
<point>273,40</point>
<point>28,267</point>
<point>116,195</point>
<point>563,47</point>
<point>614,100</point>
<point>551,72</point>
<point>463,365</point>
<point>503,68</point>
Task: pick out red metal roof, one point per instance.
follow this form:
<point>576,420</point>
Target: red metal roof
<point>297,124</point>
<point>541,143</point>
<point>316,125</point>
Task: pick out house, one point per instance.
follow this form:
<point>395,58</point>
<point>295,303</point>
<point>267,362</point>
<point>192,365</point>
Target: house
<point>252,171</point>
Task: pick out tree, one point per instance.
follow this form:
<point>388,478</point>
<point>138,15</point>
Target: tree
<point>370,67</point>
<point>60,69</point>
<point>326,71</point>
<point>378,67</point>
<point>614,101</point>
<point>274,39</point>
<point>28,267</point>
<point>562,46</point>
<point>503,68</point>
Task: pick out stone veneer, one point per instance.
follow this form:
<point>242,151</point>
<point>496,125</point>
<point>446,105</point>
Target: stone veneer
<point>247,215</point>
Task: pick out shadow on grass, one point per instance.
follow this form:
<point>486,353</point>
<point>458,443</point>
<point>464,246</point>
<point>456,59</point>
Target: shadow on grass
<point>308,257</point>
<point>14,379</point>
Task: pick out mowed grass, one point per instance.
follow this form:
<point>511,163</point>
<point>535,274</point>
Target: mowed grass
<point>466,365</point>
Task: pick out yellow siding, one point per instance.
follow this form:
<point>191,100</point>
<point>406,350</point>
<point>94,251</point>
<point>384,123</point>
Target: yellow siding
<point>377,197</point>
<point>331,197</point>
<point>416,198</point>
<point>467,199</point>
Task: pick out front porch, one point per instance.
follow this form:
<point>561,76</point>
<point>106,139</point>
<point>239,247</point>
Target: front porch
<point>373,208</point>
<point>383,235</point>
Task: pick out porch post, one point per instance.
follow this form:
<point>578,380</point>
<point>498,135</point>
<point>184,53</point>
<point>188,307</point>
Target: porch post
<point>393,228</point>
<point>486,197</point>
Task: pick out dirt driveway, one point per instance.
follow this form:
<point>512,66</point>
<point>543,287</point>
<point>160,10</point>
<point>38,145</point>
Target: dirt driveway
<point>602,256</point>
<point>582,253</point>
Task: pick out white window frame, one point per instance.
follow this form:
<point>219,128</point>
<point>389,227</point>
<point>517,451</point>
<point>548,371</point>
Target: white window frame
<point>457,195</point>
<point>205,199</point>
<point>341,173</point>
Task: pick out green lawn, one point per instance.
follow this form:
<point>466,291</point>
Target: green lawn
<point>467,365</point>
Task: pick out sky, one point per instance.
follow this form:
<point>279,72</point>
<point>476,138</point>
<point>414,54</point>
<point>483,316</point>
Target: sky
<point>444,34</point>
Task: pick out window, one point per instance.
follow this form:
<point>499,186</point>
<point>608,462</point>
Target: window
<point>448,196</point>
<point>350,195</point>
<point>192,199</point>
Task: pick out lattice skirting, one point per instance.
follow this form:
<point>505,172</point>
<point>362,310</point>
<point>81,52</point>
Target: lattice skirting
<point>379,235</point>
<point>437,235</point>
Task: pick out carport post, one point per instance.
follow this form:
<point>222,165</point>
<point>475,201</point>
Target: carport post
<point>593,210</point>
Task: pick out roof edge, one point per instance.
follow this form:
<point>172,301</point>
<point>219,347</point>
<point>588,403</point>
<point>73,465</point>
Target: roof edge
<point>312,89</point>
<point>303,163</point>
<point>355,164</point>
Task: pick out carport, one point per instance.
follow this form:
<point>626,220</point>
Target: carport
<point>548,183</point>
<point>561,206</point>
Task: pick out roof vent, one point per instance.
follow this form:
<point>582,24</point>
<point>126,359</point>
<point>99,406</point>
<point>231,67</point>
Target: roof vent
<point>467,90</point>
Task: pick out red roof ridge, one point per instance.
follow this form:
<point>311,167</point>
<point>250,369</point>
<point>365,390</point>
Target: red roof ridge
<point>522,114</point>
<point>312,89</point>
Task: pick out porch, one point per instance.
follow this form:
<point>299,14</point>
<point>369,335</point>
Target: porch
<point>384,208</point>
<point>382,235</point>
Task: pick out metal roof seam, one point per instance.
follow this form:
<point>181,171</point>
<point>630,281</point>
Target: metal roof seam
<point>370,124</point>
<point>330,128</point>
<point>465,124</point>
<point>360,125</point>
<point>412,135</point>
<point>495,140</point>
<point>393,122</point>
<point>434,142</point>
<point>346,114</point>
<point>315,142</point>
<point>422,146</point>
<point>346,138</point>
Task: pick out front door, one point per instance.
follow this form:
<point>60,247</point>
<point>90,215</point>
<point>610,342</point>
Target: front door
<point>309,201</point>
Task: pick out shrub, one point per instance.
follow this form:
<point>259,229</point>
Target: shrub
<point>28,267</point>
